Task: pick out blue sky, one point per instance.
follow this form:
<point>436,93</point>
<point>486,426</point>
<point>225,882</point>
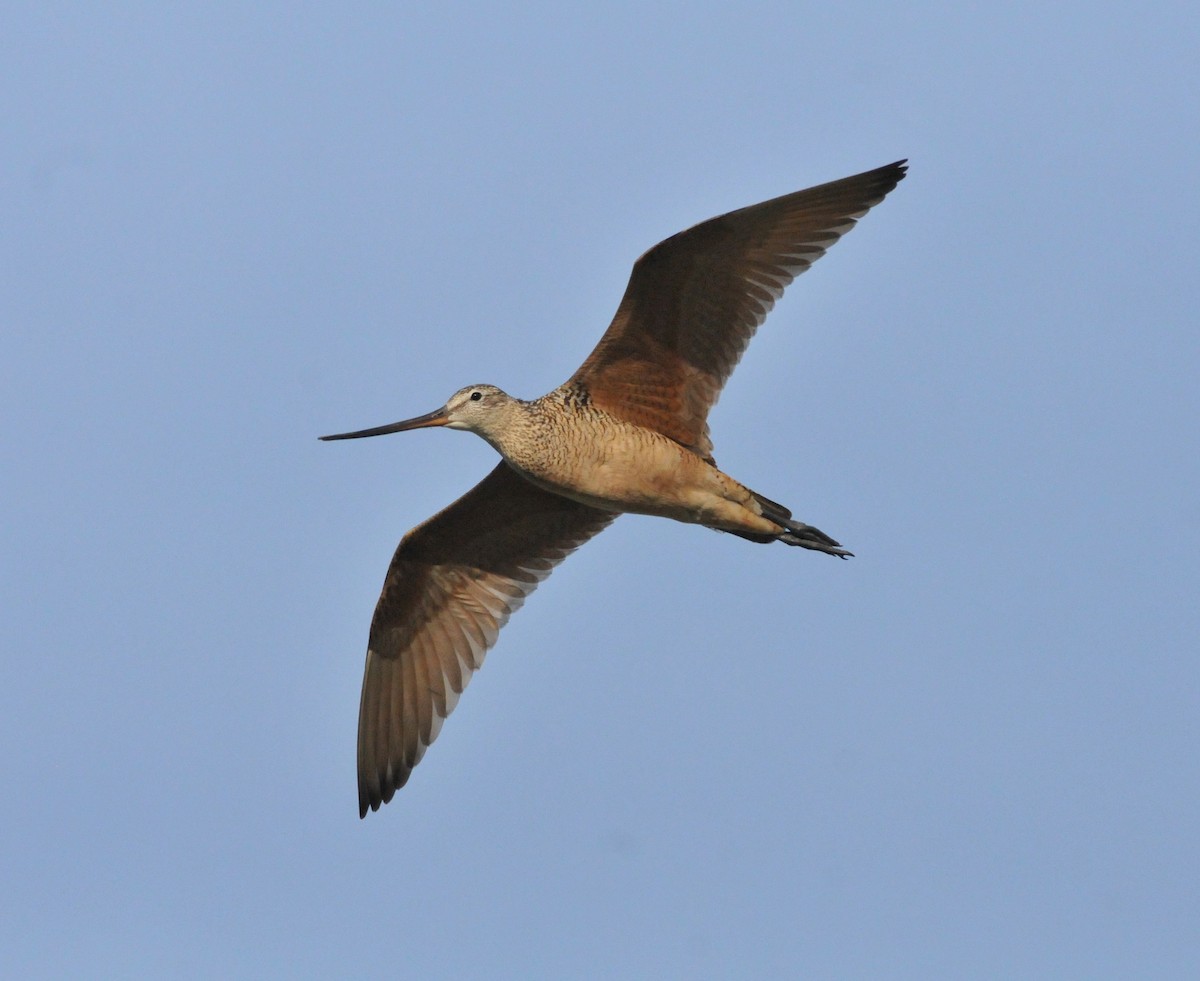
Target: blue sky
<point>969,752</point>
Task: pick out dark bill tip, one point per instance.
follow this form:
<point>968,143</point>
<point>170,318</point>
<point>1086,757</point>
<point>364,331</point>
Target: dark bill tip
<point>435,418</point>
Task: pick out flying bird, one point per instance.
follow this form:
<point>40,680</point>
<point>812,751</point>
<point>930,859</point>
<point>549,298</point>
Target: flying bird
<point>627,432</point>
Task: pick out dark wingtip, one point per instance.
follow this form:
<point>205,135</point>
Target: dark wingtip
<point>889,175</point>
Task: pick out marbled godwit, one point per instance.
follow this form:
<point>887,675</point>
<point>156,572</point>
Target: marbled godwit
<point>627,432</point>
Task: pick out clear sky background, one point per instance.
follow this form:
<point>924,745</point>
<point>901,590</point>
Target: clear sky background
<point>971,751</point>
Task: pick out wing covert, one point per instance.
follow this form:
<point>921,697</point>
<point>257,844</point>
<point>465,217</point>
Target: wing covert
<point>452,584</point>
<point>694,301</point>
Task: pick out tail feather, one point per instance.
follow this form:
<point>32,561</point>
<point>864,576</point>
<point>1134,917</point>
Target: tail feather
<point>772,510</point>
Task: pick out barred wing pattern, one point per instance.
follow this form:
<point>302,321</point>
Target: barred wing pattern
<point>694,301</point>
<point>453,583</point>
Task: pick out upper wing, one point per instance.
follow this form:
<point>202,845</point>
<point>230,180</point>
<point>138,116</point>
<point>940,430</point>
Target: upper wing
<point>694,301</point>
<point>451,586</point>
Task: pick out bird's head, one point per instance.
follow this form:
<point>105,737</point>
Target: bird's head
<point>477,408</point>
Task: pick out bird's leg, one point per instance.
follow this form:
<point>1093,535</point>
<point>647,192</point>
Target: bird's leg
<point>806,536</point>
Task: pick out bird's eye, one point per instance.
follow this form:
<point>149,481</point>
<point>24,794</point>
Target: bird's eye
<point>476,396</point>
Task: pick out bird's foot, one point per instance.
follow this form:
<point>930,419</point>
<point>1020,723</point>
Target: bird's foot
<point>806,536</point>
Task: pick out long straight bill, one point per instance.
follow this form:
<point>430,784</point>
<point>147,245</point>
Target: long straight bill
<point>436,418</point>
